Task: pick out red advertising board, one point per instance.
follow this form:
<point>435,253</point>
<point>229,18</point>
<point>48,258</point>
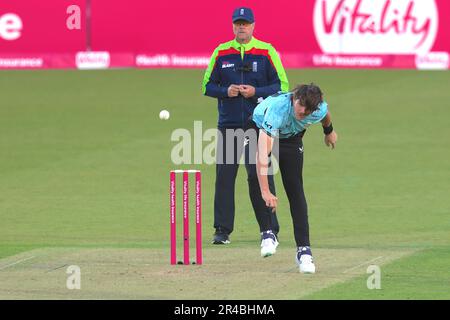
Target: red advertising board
<point>34,34</point>
<point>141,33</point>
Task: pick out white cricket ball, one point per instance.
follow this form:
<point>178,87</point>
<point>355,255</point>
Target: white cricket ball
<point>164,115</point>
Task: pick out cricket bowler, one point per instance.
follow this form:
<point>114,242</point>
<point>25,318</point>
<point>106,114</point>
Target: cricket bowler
<point>285,117</point>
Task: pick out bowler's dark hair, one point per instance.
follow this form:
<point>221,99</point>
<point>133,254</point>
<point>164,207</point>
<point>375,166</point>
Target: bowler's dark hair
<point>309,95</point>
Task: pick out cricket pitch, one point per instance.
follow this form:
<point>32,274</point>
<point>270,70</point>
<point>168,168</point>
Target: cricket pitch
<point>227,273</point>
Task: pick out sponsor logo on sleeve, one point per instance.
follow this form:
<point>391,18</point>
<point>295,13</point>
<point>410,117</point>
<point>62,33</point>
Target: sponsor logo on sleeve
<point>226,64</point>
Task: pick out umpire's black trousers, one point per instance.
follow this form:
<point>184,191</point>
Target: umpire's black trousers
<point>229,151</point>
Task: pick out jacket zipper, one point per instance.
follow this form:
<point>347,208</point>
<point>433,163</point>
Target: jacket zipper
<point>242,82</point>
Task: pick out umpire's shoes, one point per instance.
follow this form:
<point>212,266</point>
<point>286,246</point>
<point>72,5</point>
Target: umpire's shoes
<point>269,243</point>
<point>305,260</point>
<point>221,237</point>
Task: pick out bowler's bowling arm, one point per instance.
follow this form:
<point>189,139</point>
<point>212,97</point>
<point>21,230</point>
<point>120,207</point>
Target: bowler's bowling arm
<point>265,143</point>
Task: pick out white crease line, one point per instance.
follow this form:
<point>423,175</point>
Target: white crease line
<point>14,263</point>
<point>362,264</point>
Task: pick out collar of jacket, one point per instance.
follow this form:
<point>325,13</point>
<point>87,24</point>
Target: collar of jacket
<point>242,47</point>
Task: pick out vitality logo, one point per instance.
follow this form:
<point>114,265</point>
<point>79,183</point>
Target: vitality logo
<point>10,27</point>
<point>375,27</point>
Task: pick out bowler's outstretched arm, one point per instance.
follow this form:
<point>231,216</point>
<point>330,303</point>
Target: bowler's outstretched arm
<point>265,143</point>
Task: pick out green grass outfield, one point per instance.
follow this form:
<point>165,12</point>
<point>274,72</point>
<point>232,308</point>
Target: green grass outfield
<point>84,163</point>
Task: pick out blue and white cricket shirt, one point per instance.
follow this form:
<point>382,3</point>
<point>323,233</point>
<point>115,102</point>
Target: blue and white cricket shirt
<point>275,115</point>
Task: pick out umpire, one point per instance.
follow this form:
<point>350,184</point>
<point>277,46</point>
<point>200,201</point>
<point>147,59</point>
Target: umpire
<point>240,72</point>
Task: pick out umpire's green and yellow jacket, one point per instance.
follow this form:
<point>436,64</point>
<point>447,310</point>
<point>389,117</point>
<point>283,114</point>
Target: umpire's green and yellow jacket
<point>255,63</point>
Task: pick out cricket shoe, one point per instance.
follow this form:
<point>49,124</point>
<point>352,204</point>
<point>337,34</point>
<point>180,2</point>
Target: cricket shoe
<point>269,243</point>
<point>221,237</point>
<point>305,260</point>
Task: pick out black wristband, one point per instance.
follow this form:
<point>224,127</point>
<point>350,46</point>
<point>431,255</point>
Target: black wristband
<point>328,130</point>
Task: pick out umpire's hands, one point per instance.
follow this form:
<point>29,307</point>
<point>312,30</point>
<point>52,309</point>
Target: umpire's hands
<point>247,91</point>
<point>270,200</point>
<point>233,90</point>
